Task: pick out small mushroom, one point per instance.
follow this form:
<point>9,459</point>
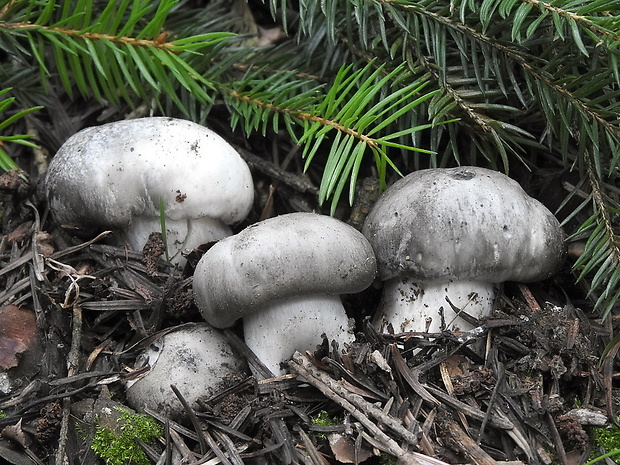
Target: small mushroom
<point>196,358</point>
<point>444,237</point>
<point>283,276</point>
<point>114,176</point>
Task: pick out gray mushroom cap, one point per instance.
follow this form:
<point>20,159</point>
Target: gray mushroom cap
<point>106,175</point>
<point>290,255</point>
<point>438,225</point>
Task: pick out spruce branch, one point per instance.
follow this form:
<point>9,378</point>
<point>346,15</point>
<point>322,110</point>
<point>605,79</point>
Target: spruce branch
<point>110,57</point>
<point>526,77</point>
<point>584,21</point>
<point>601,256</point>
<point>356,106</point>
<point>158,42</point>
<point>6,162</point>
<point>303,116</point>
<point>525,60</point>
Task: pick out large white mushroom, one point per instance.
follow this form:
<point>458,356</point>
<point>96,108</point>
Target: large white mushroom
<point>196,358</point>
<point>452,234</point>
<point>116,175</point>
<point>283,276</point>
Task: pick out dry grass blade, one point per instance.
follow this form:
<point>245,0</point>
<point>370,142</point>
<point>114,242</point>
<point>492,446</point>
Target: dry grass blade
<point>313,453</point>
<point>411,378</point>
<point>607,363</point>
<point>202,441</point>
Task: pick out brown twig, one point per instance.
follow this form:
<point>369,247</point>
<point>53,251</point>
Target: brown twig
<point>73,366</point>
<point>299,183</point>
<point>314,454</point>
<point>462,441</point>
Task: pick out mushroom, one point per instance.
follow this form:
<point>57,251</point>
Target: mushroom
<point>283,276</point>
<point>444,237</point>
<point>116,175</point>
<point>196,358</point>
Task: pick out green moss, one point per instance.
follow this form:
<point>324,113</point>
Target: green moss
<point>118,446</point>
<point>323,418</point>
<point>386,459</point>
<point>608,439</point>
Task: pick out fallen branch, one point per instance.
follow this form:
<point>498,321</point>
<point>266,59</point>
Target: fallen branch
<point>358,408</point>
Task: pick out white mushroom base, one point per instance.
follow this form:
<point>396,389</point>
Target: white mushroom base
<point>181,235</point>
<point>275,332</point>
<point>410,306</point>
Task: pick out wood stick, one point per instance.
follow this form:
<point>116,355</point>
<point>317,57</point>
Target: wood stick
<point>467,445</point>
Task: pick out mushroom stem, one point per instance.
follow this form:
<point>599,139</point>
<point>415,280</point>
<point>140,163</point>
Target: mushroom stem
<point>181,234</point>
<point>424,307</point>
<point>295,324</point>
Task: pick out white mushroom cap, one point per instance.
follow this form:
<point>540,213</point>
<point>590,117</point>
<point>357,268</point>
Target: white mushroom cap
<point>286,256</point>
<point>452,233</point>
<point>287,273</point>
<point>439,224</point>
<point>196,358</point>
<point>114,175</point>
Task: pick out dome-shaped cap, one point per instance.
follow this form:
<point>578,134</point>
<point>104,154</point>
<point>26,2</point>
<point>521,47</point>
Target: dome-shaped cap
<point>463,223</point>
<point>196,358</point>
<point>290,255</point>
<point>105,175</point>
